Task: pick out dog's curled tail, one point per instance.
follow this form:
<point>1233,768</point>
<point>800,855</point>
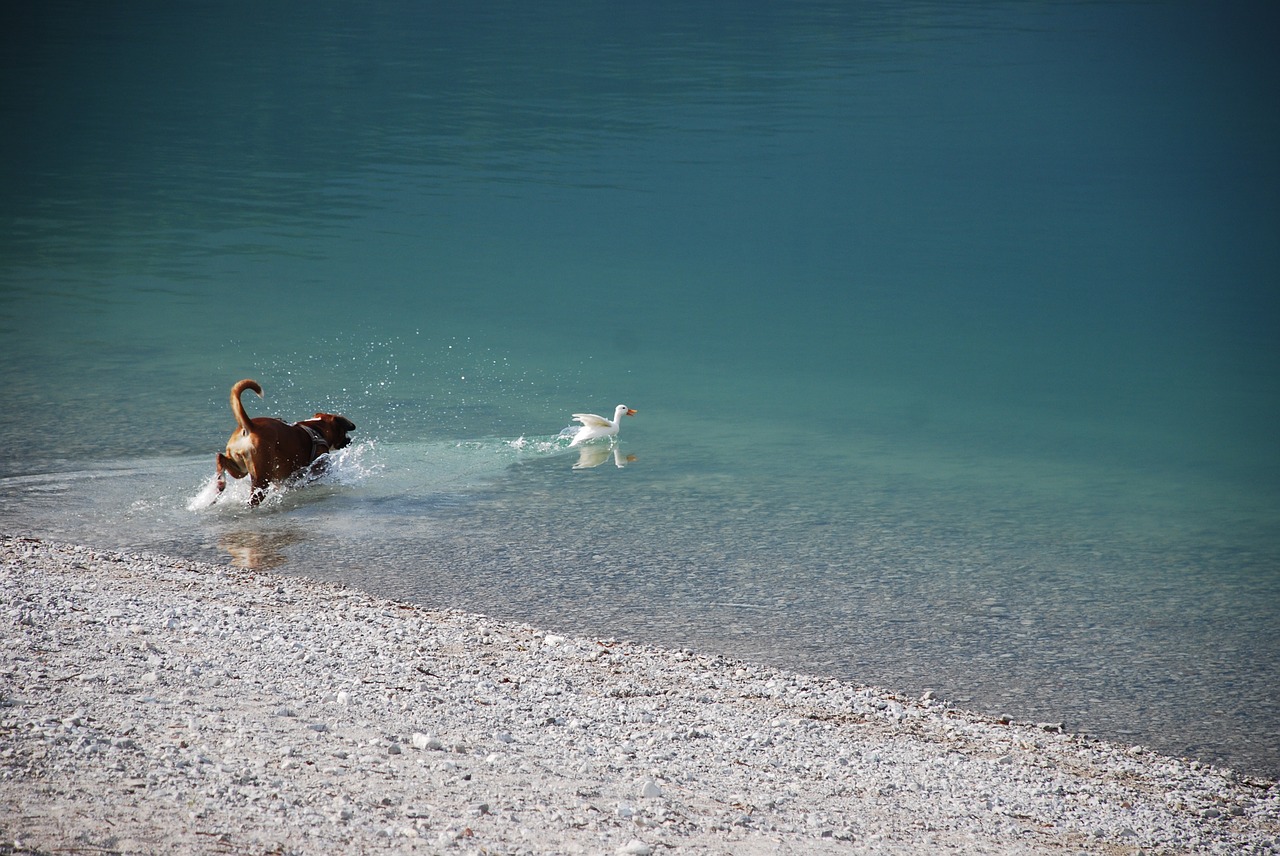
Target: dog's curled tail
<point>237,408</point>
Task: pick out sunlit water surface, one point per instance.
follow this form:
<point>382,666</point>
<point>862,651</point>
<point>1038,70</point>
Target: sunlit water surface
<point>951,330</point>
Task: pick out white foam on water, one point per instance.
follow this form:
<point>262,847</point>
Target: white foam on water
<point>206,497</point>
<point>344,467</point>
<point>542,446</point>
<point>379,471</point>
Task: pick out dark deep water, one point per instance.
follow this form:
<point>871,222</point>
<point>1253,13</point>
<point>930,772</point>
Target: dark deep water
<point>952,329</point>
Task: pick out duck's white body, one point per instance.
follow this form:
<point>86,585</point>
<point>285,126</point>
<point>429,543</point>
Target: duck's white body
<point>594,427</point>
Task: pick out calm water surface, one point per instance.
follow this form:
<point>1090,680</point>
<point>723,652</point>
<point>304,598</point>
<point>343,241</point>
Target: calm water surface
<point>951,329</point>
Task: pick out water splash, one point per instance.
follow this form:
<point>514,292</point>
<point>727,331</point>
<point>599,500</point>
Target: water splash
<point>589,454</point>
<point>344,467</point>
<point>207,496</point>
<point>539,447</point>
<point>379,469</point>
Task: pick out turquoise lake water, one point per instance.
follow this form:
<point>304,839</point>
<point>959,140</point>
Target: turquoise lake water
<point>952,329</point>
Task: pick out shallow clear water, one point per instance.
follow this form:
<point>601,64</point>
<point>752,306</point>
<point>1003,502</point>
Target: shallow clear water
<point>951,330</point>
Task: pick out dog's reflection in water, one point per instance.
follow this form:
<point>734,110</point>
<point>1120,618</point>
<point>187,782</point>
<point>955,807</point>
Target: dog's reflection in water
<point>259,551</point>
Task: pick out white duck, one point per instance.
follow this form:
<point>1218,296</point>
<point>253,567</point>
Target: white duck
<point>594,427</point>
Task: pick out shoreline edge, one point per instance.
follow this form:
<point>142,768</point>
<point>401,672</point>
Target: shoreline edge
<point>150,704</point>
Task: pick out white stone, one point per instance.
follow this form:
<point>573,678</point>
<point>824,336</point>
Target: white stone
<point>425,741</point>
<point>650,789</point>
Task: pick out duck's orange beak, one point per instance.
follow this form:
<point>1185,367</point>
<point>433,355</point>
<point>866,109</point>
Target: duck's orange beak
<point>630,412</point>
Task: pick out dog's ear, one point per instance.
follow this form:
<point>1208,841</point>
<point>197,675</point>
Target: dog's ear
<point>340,422</point>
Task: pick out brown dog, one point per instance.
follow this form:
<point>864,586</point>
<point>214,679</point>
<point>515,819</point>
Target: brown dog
<point>268,450</point>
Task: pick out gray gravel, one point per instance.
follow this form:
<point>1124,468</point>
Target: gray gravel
<point>153,705</point>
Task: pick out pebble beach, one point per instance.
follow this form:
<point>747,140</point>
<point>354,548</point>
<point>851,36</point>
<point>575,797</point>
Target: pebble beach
<point>156,705</point>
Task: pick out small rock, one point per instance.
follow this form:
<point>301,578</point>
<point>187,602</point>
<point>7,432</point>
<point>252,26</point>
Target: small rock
<point>650,789</point>
<point>425,741</point>
<point>635,847</point>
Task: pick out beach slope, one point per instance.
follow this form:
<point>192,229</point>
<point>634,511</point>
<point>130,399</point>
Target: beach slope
<point>153,705</point>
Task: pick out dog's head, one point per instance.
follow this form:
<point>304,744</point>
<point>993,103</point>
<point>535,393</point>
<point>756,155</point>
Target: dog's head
<point>333,428</point>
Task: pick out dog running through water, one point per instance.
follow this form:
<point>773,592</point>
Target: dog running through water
<point>269,450</point>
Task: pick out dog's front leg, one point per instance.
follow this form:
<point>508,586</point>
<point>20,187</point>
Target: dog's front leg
<point>225,464</point>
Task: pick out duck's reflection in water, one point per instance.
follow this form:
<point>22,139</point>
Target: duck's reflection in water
<point>595,455</point>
